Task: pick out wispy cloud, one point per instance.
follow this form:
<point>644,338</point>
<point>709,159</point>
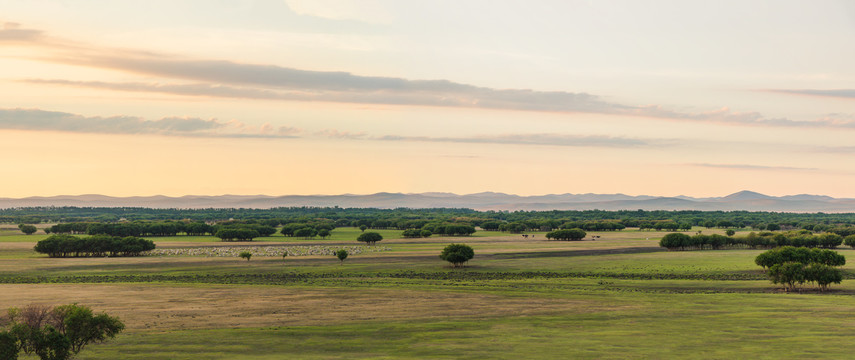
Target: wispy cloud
<point>838,93</point>
<point>538,139</point>
<point>13,32</point>
<point>42,120</point>
<point>752,167</point>
<point>337,134</point>
<point>218,78</point>
<point>835,149</point>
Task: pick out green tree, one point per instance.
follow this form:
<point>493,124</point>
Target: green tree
<point>823,275</point>
<point>50,344</point>
<point>675,241</point>
<point>730,232</point>
<point>567,234</point>
<point>369,238</point>
<point>849,241</point>
<point>457,254</point>
<point>58,333</point>
<point>789,274</point>
<point>28,229</point>
<point>323,233</point>
<point>363,227</point>
<point>306,233</point>
<point>245,255</point>
<point>341,255</point>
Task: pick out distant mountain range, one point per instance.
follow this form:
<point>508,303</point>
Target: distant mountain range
<point>743,200</point>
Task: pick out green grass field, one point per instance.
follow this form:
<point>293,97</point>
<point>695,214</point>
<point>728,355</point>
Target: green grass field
<point>619,296</point>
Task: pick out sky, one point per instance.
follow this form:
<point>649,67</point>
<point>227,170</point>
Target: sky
<point>282,97</point>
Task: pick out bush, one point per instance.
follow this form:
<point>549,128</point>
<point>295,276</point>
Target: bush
<point>341,255</point>
<point>457,254</point>
<point>245,255</point>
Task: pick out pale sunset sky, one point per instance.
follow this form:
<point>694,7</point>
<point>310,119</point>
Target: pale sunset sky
<point>280,97</point>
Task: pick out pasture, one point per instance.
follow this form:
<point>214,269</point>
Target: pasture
<point>619,296</point>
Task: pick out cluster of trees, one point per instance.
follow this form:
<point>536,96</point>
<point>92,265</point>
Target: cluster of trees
<point>308,230</point>
<point>567,234</point>
<point>136,228</point>
<point>667,225</point>
<point>450,229</point>
<point>57,333</point>
<point>792,266</point>
<point>69,228</point>
<point>96,245</point>
<point>241,231</point>
<point>763,240</point>
<point>236,234</point>
<point>680,241</point>
<point>416,233</point>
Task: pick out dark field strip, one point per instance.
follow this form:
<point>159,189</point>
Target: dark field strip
<point>290,278</point>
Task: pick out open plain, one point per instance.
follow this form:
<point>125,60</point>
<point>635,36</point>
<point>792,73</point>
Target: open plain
<point>618,296</point>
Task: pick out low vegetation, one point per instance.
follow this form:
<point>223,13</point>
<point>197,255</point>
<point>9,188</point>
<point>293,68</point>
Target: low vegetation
<point>532,297</point>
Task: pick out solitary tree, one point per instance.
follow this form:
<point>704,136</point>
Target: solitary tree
<point>369,238</point>
<point>363,227</point>
<point>246,255</point>
<point>457,254</point>
<point>341,255</point>
<point>730,232</point>
<point>27,229</point>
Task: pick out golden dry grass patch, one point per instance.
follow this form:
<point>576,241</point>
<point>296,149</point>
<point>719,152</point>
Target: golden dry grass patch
<point>165,307</point>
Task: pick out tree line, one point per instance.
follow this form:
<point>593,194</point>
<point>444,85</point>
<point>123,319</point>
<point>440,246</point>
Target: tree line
<point>96,246</point>
<point>763,240</point>
<point>403,218</point>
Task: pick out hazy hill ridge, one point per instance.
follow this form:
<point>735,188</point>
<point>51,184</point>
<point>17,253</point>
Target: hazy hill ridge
<point>743,200</point>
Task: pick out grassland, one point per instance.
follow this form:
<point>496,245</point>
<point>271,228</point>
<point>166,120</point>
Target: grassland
<point>620,296</point>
